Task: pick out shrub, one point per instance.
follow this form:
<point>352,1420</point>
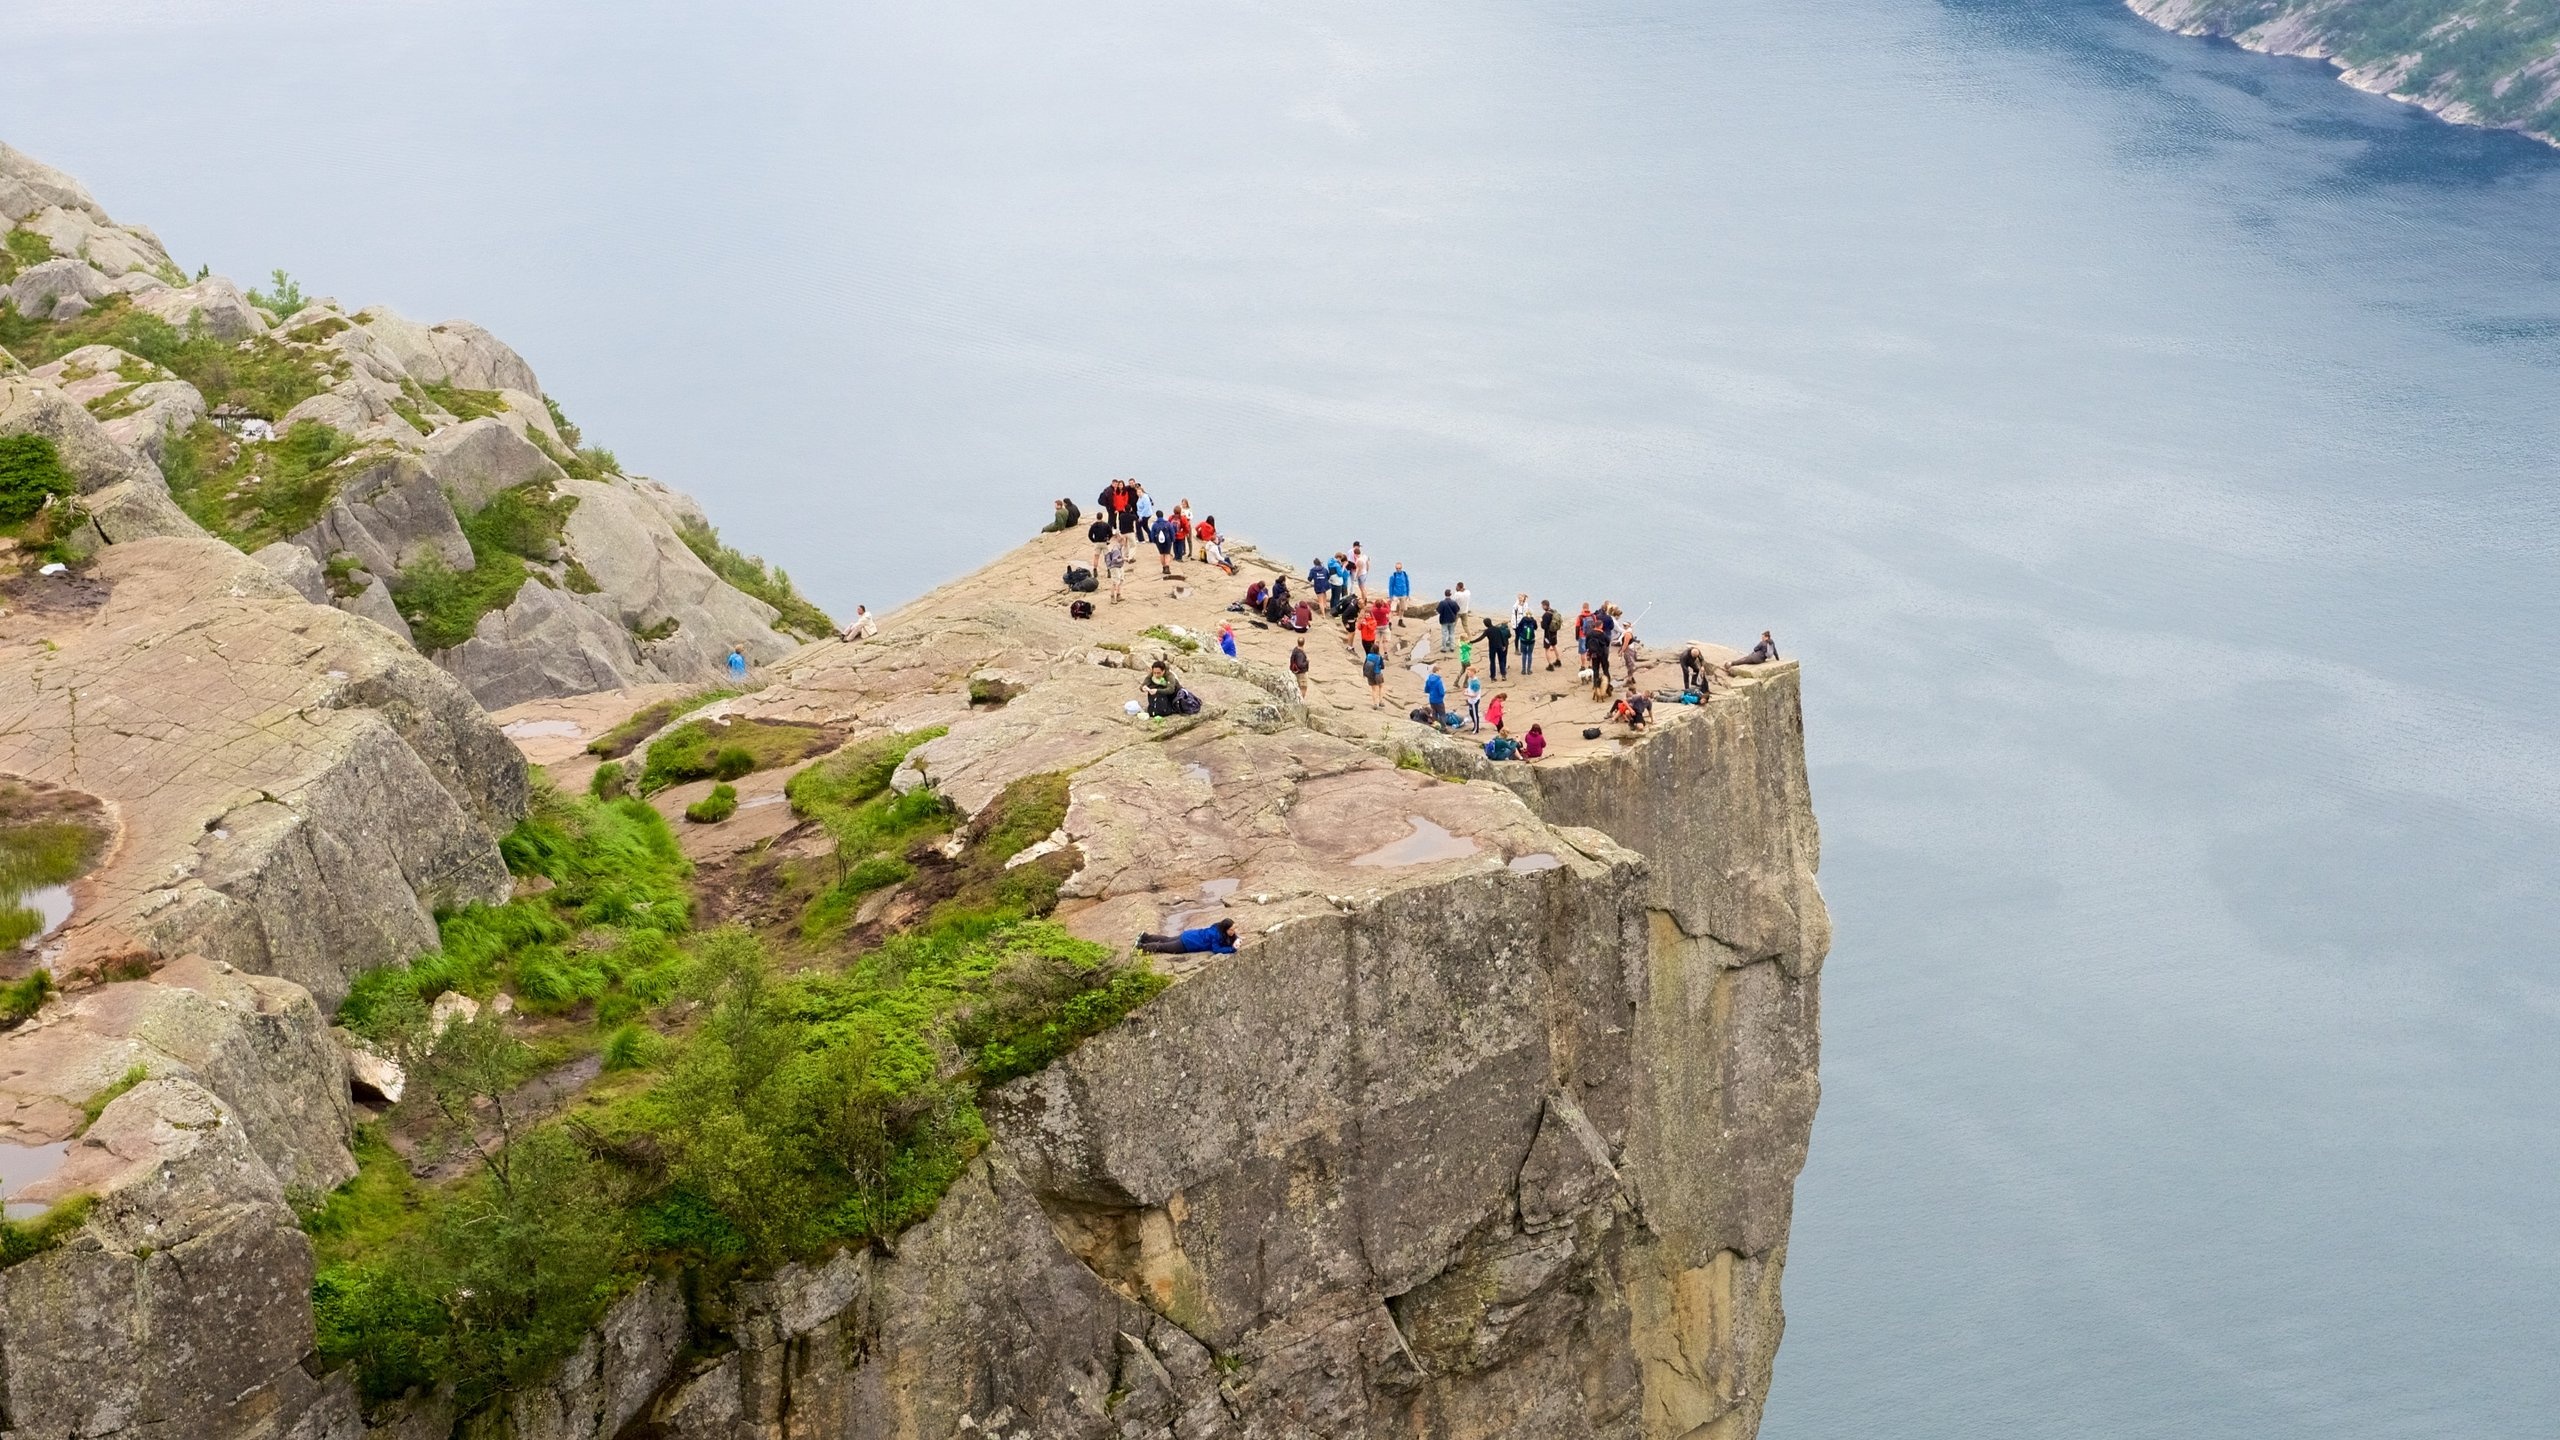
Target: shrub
<point>607,783</point>
<point>253,495</point>
<point>444,606</point>
<point>283,297</point>
<point>22,998</point>
<point>31,474</point>
<point>267,378</point>
<point>717,806</point>
<point>22,248</point>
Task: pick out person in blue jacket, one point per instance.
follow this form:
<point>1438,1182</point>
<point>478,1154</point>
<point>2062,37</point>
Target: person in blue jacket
<point>1399,590</point>
<point>1436,695</point>
<point>1218,939</point>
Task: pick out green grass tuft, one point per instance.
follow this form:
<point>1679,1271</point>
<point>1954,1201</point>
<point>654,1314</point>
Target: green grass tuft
<point>715,807</point>
<point>750,574</point>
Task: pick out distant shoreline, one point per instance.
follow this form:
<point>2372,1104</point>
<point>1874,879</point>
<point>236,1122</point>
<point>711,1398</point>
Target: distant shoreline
<point>2291,37</point>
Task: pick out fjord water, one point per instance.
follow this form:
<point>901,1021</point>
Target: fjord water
<point>2149,448</point>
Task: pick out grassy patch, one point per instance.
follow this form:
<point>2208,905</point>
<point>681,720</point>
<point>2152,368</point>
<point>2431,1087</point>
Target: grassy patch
<point>622,739</point>
<point>26,1239</point>
<point>443,606</point>
<point>750,574</point>
<point>1183,643</point>
<point>48,836</point>
<point>749,1114</point>
<point>22,998</point>
<point>255,495</point>
<point>715,807</point>
<point>263,375</point>
<point>713,750</point>
<point>20,249</point>
<point>96,1105</point>
<point>466,404</point>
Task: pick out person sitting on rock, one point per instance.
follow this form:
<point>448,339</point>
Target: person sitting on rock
<point>1162,690</point>
<point>1218,939</point>
<point>1501,746</point>
<point>1761,654</point>
<point>862,626</point>
<point>1533,744</point>
<point>1064,515</point>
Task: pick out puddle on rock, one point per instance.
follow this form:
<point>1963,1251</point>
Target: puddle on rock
<point>24,1165</point>
<point>53,902</point>
<point>1213,898</point>
<point>1532,864</point>
<point>542,730</point>
<point>1200,773</point>
<point>1427,843</point>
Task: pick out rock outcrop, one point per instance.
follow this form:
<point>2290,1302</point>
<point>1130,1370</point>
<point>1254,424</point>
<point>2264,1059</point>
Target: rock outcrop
<point>1490,1130</point>
<point>620,600</point>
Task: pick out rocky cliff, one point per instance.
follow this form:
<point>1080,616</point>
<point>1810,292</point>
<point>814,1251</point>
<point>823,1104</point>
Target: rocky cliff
<point>1488,1128</point>
<point>416,475</point>
<point>2495,65</point>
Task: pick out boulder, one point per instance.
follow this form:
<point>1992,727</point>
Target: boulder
<point>28,185</point>
<point>110,248</point>
<point>548,642</point>
<point>456,353</point>
<point>189,1243</point>
<point>162,408</point>
<point>299,792</point>
<point>40,291</point>
<point>123,493</point>
<point>390,514</point>
<point>296,567</point>
<point>479,458</point>
<point>257,1042</point>
<point>374,603</point>
<point>214,303</point>
<point>360,406</point>
<point>651,576</point>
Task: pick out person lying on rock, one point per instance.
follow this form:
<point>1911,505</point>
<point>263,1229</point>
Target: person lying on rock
<point>1218,939</point>
<point>1761,654</point>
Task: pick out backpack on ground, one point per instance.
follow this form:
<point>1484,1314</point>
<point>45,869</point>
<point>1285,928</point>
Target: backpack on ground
<point>1186,702</point>
<point>1081,580</point>
<point>1080,609</point>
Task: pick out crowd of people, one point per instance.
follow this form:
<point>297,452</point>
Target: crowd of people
<point>1464,654</point>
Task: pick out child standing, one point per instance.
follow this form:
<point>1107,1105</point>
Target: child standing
<point>1475,703</point>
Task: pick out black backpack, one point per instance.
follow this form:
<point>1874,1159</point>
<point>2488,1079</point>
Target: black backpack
<point>1081,580</point>
<point>1186,702</point>
<point>1080,609</point>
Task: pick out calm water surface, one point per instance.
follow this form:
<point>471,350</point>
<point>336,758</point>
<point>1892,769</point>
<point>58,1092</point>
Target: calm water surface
<point>2149,446</point>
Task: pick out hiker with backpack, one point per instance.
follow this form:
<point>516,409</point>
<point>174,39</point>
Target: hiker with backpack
<point>1298,667</point>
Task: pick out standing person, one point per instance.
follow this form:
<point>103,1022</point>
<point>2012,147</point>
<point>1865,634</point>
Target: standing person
<point>1466,657</point>
<point>1627,650</point>
<point>1399,590</point>
<point>1475,704</point>
<point>737,665</point>
<point>1099,532</point>
<point>1161,532</point>
<point>1497,646</point>
<point>1374,665</point>
<point>1596,649</point>
<point>1448,613</point>
<point>1435,694</point>
<point>1368,633</point>
<point>1115,561</point>
<point>1319,579</point>
<point>1298,667</point>
<point>1226,639</point>
<point>1519,609</point>
<point>1181,534</point>
<point>1144,504</point>
<point>1360,570</point>
<point>1694,672</point>
<point>1525,630</point>
<point>1466,599</point>
<point>1493,710</point>
<point>1549,623</point>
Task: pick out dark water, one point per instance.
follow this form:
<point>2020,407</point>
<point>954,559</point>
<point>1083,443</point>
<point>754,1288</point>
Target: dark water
<point>2149,446</point>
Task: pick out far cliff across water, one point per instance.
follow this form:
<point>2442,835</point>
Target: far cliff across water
<point>2493,63</point>
<point>702,1057</point>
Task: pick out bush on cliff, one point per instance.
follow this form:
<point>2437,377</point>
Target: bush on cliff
<point>750,574</point>
<point>517,525</point>
<point>254,495</point>
<point>264,376</point>
<point>31,474</point>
